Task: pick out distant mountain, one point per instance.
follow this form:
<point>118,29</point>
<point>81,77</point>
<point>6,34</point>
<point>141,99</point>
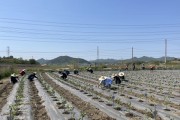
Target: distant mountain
<point>63,60</point>
<point>42,61</point>
<point>143,59</point>
<point>69,60</point>
<point>104,61</point>
<point>148,59</point>
<point>167,58</point>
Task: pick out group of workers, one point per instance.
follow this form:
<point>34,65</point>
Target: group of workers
<point>103,80</point>
<point>107,81</point>
<point>151,67</point>
<point>15,78</point>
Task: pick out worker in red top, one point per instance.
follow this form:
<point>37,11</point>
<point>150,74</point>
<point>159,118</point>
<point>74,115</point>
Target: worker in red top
<point>22,72</point>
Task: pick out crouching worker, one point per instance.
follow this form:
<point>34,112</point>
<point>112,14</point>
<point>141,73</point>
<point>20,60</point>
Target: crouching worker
<point>76,72</point>
<point>32,76</point>
<point>117,79</point>
<point>105,81</point>
<point>108,82</point>
<point>121,76</point>
<point>14,78</point>
<point>101,81</point>
<point>64,75</point>
<point>89,70</point>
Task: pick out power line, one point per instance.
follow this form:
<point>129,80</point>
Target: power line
<point>83,40</point>
<point>63,26</point>
<point>89,24</point>
<point>84,51</point>
<point>72,41</point>
<point>97,32</point>
<point>94,39</point>
<point>41,33</point>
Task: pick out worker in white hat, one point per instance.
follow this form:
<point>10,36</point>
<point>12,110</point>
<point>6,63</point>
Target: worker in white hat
<point>121,75</point>
<point>101,80</point>
<point>14,78</point>
<point>117,79</point>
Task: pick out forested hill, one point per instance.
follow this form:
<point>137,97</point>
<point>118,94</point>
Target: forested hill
<point>70,60</point>
<point>64,60</point>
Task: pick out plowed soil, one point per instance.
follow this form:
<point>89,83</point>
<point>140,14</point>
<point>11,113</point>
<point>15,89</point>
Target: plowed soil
<point>5,89</point>
<point>91,111</point>
<point>38,110</point>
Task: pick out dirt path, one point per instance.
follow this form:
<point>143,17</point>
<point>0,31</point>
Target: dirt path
<point>7,97</point>
<point>39,111</point>
<point>5,89</point>
<point>49,104</point>
<point>27,111</point>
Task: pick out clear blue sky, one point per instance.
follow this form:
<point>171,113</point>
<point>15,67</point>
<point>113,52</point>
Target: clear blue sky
<point>51,28</point>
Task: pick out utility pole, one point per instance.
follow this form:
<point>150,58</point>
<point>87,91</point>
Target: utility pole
<point>132,57</point>
<point>97,52</point>
<point>96,65</point>
<point>78,63</point>
<point>165,51</point>
<point>121,60</point>
<point>165,58</point>
<point>8,51</point>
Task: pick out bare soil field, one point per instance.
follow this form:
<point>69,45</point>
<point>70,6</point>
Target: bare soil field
<point>142,95</point>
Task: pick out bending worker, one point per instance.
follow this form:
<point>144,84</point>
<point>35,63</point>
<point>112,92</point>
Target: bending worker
<point>32,76</point>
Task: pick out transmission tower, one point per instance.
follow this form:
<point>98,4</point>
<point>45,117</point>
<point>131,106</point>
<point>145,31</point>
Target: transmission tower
<point>97,52</point>
<point>8,51</point>
<point>165,58</point>
<point>132,55</point>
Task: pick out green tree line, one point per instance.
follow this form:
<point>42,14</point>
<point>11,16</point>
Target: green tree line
<point>12,60</point>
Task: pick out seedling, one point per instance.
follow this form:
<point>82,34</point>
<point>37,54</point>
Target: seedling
<point>82,115</point>
<point>166,102</point>
<point>155,112</point>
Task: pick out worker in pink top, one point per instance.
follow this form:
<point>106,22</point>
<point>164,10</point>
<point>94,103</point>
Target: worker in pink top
<point>22,72</point>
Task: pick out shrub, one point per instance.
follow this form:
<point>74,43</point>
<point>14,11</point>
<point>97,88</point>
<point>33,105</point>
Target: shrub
<point>6,72</point>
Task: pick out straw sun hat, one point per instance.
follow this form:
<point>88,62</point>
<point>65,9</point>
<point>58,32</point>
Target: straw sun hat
<point>13,75</point>
<point>113,75</point>
<point>102,78</point>
<point>121,74</point>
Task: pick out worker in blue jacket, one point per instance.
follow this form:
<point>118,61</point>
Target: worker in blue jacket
<point>32,76</point>
<point>105,81</point>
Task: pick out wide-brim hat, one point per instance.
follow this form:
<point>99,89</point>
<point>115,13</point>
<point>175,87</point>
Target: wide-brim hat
<point>13,75</point>
<point>102,78</point>
<point>121,74</point>
<point>113,75</point>
<point>107,77</point>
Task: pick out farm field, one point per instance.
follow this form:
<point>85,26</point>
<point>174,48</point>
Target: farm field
<point>143,95</point>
